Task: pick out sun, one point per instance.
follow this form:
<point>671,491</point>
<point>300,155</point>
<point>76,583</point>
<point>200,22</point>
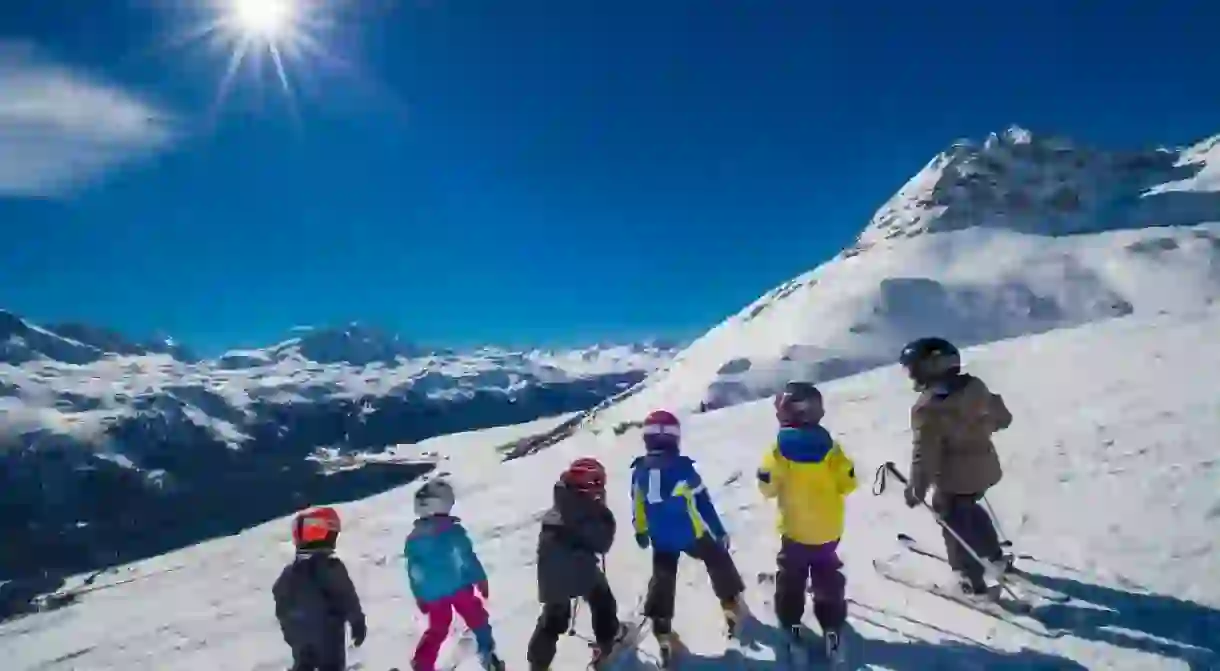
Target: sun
<point>269,20</point>
<point>289,42</point>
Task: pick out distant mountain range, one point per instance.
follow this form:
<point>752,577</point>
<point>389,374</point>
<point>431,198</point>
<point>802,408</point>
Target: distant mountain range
<point>113,448</point>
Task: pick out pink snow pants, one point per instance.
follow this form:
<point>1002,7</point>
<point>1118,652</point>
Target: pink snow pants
<point>467,604</point>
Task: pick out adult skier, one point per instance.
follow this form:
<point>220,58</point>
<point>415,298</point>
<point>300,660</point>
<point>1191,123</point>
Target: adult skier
<point>445,574</point>
<point>809,475</point>
<point>315,600</point>
<point>576,531</point>
<point>951,425</point>
<point>673,513</point>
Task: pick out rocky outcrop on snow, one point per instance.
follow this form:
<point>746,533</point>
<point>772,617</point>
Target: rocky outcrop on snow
<point>1016,234</point>
<point>105,442</point>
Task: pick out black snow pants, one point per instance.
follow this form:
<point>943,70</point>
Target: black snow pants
<point>963,514</point>
<point>556,617</point>
<point>662,588</point>
<point>308,660</point>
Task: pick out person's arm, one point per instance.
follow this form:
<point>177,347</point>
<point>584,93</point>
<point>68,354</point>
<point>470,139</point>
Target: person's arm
<point>472,568</point>
<point>842,469</point>
<point>927,449</point>
<point>769,474</point>
<point>338,585</point>
<point>703,501</point>
<point>592,525</point>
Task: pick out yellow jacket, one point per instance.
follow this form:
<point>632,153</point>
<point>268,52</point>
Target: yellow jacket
<point>809,474</point>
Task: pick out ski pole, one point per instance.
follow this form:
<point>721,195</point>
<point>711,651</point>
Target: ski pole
<point>987,567</point>
<point>1004,542</point>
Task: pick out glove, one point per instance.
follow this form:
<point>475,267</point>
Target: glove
<point>359,631</point>
<point>911,496</point>
<point>642,541</point>
<point>483,588</point>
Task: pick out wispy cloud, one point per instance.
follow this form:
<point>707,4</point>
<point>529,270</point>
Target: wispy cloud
<point>61,129</point>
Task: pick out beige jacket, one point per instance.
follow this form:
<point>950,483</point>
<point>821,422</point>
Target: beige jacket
<point>951,427</point>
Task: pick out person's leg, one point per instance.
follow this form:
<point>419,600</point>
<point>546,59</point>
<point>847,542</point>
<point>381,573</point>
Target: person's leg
<point>829,586</point>
<point>552,623</point>
<point>985,531</point>
<point>956,512</point>
<point>472,611</point>
<point>721,570</point>
<point>662,586</point>
<point>440,617</point>
<point>603,612</point>
<point>791,576</point>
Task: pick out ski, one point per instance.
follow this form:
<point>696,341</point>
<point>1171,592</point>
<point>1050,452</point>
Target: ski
<point>633,634</point>
<point>1015,612</point>
<point>1014,577</point>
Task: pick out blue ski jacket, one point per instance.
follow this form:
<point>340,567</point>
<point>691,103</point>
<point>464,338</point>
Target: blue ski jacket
<point>440,558</point>
<point>670,503</point>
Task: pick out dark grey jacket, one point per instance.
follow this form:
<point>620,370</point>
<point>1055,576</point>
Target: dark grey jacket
<point>314,600</point>
<point>575,531</point>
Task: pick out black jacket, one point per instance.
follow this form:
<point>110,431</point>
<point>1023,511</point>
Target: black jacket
<point>314,600</point>
<point>575,531</point>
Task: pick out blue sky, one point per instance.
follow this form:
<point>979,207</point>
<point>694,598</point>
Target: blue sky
<point>470,171</point>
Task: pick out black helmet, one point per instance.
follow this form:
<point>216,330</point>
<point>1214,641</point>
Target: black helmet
<point>930,360</point>
<point>799,403</point>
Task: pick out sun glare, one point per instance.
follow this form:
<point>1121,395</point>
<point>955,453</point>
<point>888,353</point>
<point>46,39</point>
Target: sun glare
<point>263,19</point>
<point>287,39</point>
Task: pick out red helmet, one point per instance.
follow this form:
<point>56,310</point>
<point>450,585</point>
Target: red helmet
<point>661,430</point>
<point>585,475</point>
<point>316,526</point>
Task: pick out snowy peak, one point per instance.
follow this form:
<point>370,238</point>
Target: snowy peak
<point>1029,183</point>
<point>1016,234</point>
<point>73,343</point>
<point>354,344</point>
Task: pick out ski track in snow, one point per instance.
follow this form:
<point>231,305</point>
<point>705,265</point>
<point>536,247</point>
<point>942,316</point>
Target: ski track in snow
<point>1111,472</point>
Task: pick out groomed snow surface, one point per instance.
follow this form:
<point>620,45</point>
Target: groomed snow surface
<point>1111,483</point>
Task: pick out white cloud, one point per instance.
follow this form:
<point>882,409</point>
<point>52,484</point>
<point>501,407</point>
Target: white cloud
<point>60,129</point>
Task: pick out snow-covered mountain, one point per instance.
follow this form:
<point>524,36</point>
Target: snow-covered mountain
<point>1017,234</point>
<point>1112,503</point>
<point>103,440</point>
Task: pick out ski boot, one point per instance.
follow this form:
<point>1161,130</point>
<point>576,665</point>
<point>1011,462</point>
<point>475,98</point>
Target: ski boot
<point>604,654</point>
<point>797,646</point>
<point>491,662</point>
<point>976,587</point>
<point>669,643</point>
<point>736,612</point>
<point>836,654</point>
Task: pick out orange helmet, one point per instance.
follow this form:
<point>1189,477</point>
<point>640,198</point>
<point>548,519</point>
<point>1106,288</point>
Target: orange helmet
<point>316,525</point>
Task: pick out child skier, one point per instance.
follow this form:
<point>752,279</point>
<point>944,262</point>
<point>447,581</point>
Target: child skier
<point>576,530</point>
<point>315,598</point>
<point>673,513</point>
<point>952,422</point>
<point>444,574</point>
<point>808,474</point>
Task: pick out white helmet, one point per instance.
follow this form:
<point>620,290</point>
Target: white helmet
<point>434,498</point>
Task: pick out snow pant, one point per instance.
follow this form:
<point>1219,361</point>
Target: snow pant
<point>470,608</point>
<point>324,650</point>
<point>963,514</point>
<point>818,570</point>
<point>556,617</point>
<point>662,587</point>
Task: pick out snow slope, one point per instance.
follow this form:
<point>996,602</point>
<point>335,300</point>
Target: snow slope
<point>1111,482</point>
<point>1018,234</point>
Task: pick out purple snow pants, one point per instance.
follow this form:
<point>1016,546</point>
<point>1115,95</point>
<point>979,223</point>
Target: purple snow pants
<point>815,568</point>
